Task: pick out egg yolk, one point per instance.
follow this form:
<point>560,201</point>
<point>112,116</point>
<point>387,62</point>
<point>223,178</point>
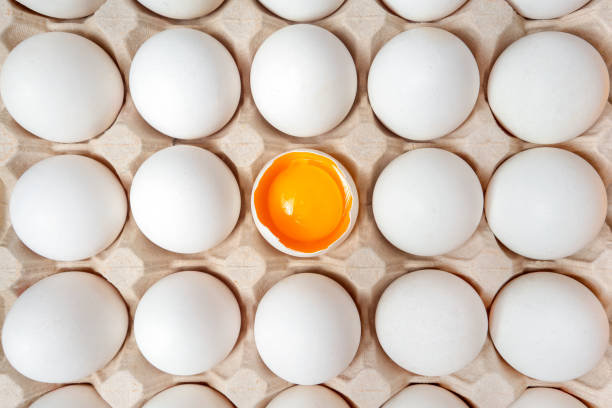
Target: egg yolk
<point>304,200</point>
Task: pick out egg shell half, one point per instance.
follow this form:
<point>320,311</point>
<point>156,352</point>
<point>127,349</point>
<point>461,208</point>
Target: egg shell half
<point>275,241</point>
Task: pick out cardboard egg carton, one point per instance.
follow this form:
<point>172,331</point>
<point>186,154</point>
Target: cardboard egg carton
<point>365,264</point>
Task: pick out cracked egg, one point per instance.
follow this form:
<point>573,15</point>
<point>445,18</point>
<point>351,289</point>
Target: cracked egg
<point>304,202</point>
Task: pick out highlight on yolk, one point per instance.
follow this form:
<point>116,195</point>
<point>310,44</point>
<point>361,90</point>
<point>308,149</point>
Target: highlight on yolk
<point>304,199</point>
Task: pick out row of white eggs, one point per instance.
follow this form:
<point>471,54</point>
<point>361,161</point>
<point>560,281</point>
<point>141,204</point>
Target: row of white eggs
<point>307,328</point>
<point>194,396</point>
<point>426,202</point>
<point>304,10</point>
<point>300,396</point>
<point>547,87</point>
<point>208,81</point>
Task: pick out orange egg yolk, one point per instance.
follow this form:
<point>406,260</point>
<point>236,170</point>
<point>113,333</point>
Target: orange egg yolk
<point>304,200</point>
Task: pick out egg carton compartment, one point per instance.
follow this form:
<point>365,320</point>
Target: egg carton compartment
<point>364,264</point>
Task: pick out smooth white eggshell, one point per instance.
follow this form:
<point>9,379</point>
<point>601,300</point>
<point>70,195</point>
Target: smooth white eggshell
<point>274,240</point>
<point>63,8</point>
<point>423,83</point>
<point>188,396</point>
<point>546,398</point>
<point>187,323</point>
<point>185,199</point>
<point>302,10</point>
<point>181,9</point>
<point>308,396</point>
<point>549,327</point>
<point>68,207</point>
<point>546,203</point>
<point>424,10</point>
<point>307,329</point>
<point>61,87</point>
<point>303,80</point>
<point>185,83</point>
<point>64,327</point>
<point>427,202</point>
<point>546,9</point>
<point>431,322</point>
<point>71,396</point>
<point>548,87</point>
<point>425,395</point>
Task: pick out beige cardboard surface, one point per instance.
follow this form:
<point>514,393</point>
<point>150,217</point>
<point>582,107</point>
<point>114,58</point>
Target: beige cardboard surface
<point>365,264</point>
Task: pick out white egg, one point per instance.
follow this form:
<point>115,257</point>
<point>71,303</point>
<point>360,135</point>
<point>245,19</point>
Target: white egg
<point>548,87</point>
<point>185,199</point>
<point>427,202</point>
<point>303,80</point>
<point>304,201</point>
<point>63,8</point>
<point>71,396</point>
<point>302,10</point>
<point>431,323</point>
<point>185,83</point>
<point>68,207</point>
<point>423,84</point>
<point>425,395</point>
<point>546,398</point>
<point>188,396</point>
<point>65,327</point>
<point>546,203</point>
<point>549,327</point>
<point>308,396</point>
<point>61,87</point>
<point>424,10</point>
<point>307,329</point>
<point>187,323</point>
<point>546,9</point>
<point>181,9</point>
